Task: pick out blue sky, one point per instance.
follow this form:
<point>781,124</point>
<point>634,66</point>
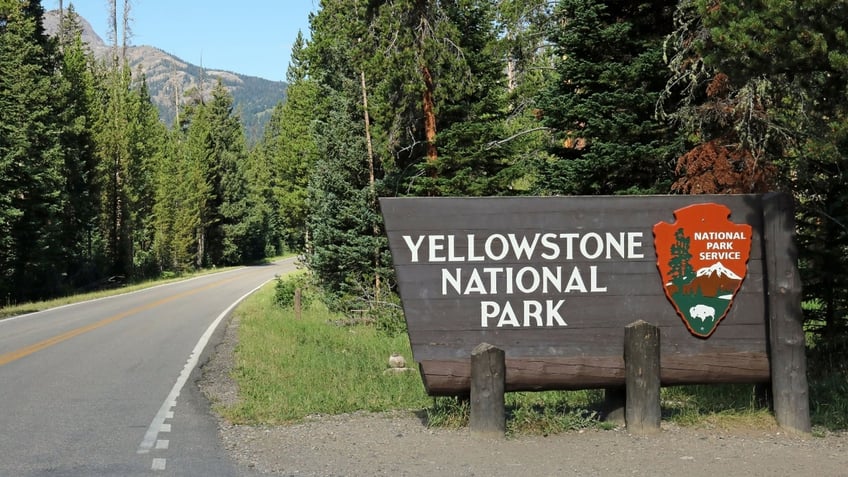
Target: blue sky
<point>254,38</point>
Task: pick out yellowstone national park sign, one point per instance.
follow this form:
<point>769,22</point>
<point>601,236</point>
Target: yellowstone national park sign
<point>554,281</point>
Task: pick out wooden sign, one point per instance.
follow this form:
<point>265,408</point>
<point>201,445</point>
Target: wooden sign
<point>554,281</point>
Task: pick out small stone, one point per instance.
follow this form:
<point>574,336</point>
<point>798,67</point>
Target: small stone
<point>397,361</point>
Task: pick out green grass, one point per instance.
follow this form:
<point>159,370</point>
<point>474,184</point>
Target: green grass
<point>553,412</point>
<point>723,406</point>
<point>530,413</point>
<point>288,369</point>
<point>829,402</point>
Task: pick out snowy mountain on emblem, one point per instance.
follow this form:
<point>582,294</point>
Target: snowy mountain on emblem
<point>719,270</point>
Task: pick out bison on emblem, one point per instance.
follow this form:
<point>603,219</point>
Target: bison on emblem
<point>702,311</point>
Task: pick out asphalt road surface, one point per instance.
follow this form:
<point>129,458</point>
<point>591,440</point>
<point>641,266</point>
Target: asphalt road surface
<point>106,387</point>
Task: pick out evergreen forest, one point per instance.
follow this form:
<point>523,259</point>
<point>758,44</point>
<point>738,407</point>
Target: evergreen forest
<point>422,98</point>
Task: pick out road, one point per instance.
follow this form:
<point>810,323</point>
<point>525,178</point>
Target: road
<point>106,387</point>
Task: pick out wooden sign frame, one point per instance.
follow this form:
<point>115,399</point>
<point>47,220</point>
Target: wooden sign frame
<point>554,281</point>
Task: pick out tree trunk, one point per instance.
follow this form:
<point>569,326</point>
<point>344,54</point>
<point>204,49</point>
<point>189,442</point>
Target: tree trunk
<point>430,120</point>
<point>113,24</point>
<point>126,31</point>
<point>201,247</point>
<point>371,183</point>
<point>61,25</point>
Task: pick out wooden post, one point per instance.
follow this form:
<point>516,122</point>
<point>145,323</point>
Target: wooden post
<point>790,391</point>
<point>488,373</point>
<point>298,294</point>
<point>642,377</point>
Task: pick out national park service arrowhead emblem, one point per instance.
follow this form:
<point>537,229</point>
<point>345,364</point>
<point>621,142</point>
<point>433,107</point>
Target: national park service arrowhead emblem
<point>702,259</point>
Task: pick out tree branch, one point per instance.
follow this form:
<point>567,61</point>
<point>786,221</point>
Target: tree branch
<point>492,144</point>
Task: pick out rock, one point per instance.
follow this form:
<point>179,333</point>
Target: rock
<point>397,361</point>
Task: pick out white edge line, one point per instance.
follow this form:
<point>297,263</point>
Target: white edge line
<point>153,431</point>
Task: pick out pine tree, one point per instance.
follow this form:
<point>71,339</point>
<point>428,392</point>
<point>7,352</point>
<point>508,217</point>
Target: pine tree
<point>602,105</point>
<point>166,205</point>
<point>146,137</point>
<point>438,96</point>
<point>80,195</point>
<point>261,222</point>
<point>114,152</point>
<point>341,245</point>
<point>725,155</point>
<point>418,89</point>
<point>31,160</point>
<point>343,223</point>
<point>196,215</point>
<point>408,34</point>
<point>290,149</point>
<point>471,107</point>
<point>181,196</point>
<point>226,158</point>
<point>530,67</point>
<point>214,163</point>
<point>526,24</point>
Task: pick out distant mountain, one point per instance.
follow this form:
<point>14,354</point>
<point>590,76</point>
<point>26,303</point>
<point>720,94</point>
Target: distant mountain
<point>719,270</point>
<point>713,281</point>
<point>169,78</point>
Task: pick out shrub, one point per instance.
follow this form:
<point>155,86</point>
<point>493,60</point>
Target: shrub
<point>285,289</point>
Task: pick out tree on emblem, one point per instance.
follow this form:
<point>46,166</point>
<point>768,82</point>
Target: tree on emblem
<point>679,266</point>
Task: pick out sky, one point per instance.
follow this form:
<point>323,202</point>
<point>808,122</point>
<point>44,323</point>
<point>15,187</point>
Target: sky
<point>254,38</point>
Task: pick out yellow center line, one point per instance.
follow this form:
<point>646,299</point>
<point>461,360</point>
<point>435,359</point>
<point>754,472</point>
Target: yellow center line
<point>34,348</point>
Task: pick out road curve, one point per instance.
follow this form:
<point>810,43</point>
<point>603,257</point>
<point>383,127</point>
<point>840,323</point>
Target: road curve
<point>99,388</point>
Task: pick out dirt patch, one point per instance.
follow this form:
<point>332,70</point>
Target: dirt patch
<point>400,444</point>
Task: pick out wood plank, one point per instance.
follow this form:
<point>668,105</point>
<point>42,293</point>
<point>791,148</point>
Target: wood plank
<point>577,312</point>
<point>452,377</point>
<point>429,281</point>
<point>586,342</point>
<point>436,214</point>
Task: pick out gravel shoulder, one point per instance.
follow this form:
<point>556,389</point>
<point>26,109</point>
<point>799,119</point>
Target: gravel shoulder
<point>400,444</point>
